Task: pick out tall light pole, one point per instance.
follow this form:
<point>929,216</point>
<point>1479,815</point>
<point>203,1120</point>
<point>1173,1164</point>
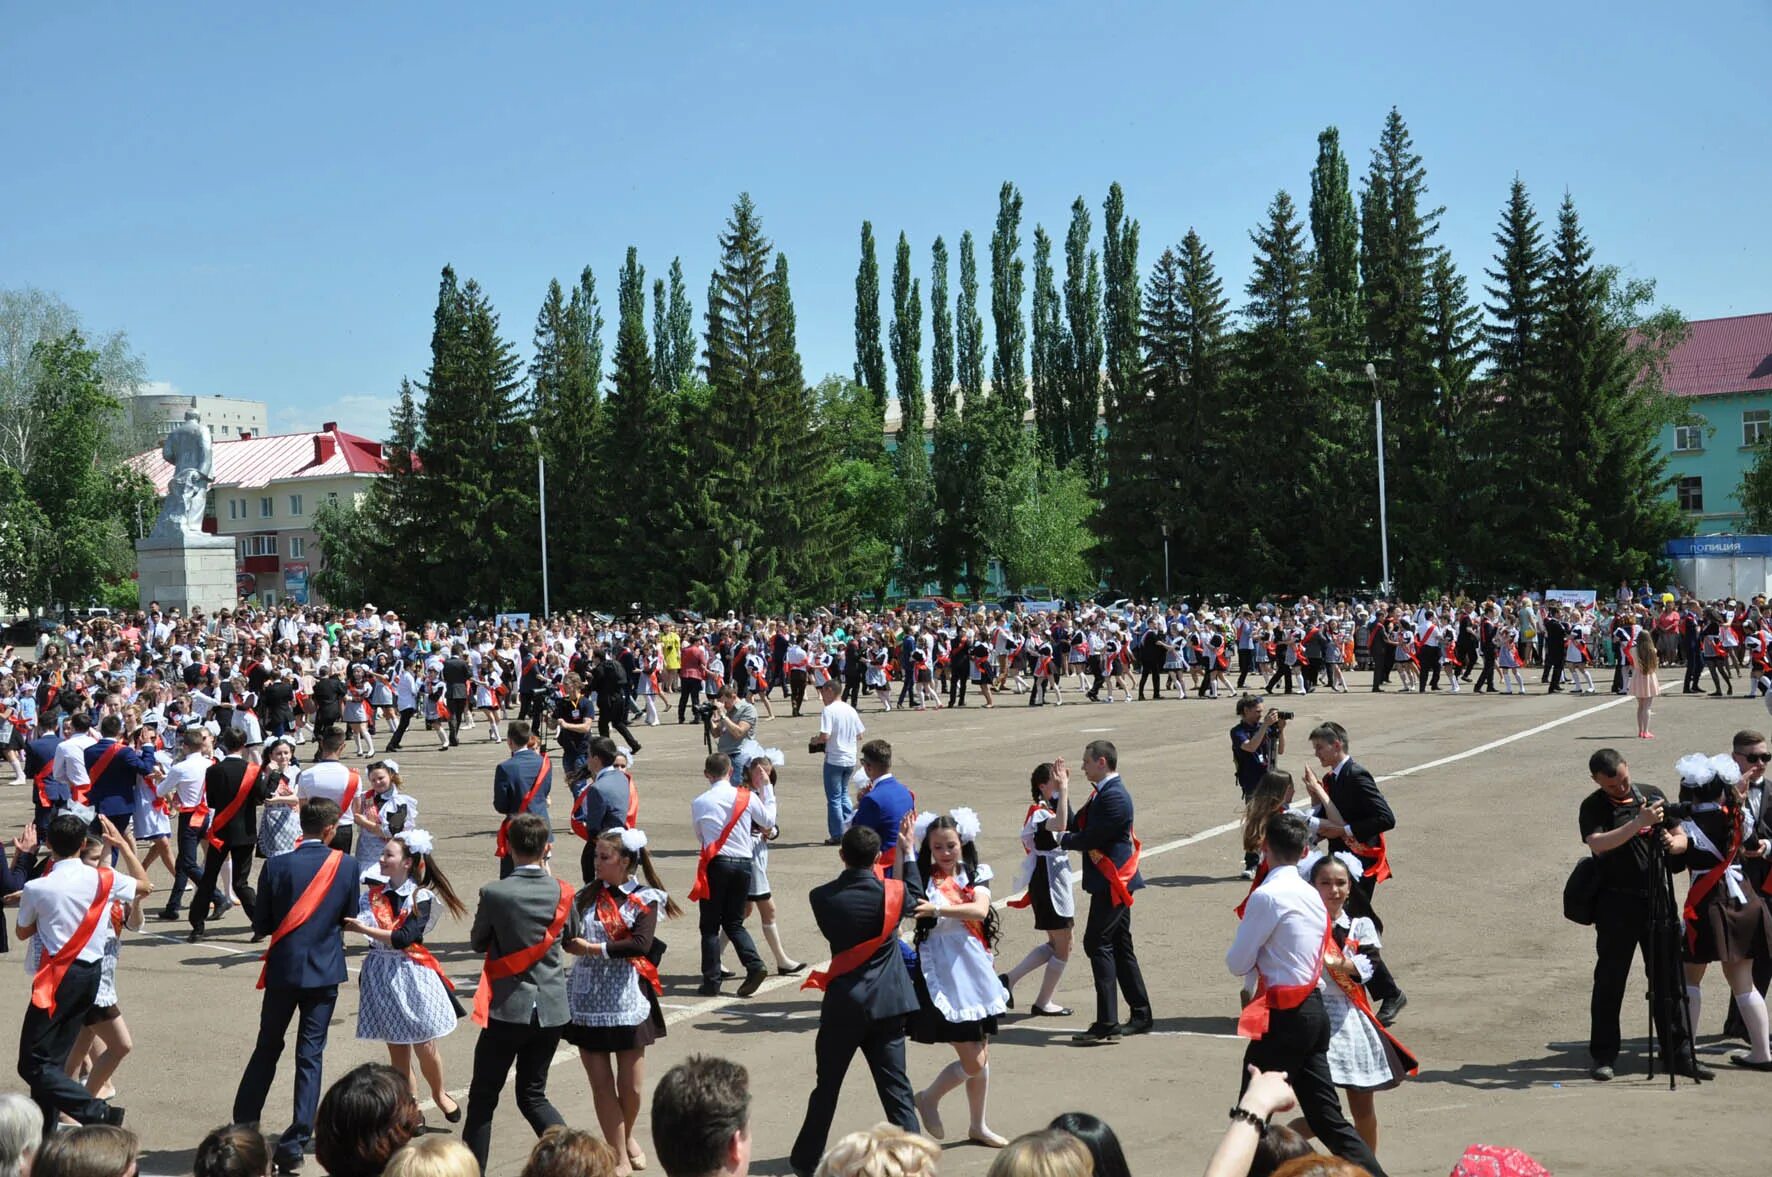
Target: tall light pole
<point>1165,563</point>
<point>541,493</point>
<point>1384,531</point>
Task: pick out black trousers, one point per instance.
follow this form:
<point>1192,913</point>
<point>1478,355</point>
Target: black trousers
<point>1297,1042</point>
<point>457,709</point>
<point>1098,668</point>
<point>43,1044</point>
<point>280,1006</point>
<point>1155,678</point>
<point>610,714</point>
<point>957,688</point>
<point>1245,664</point>
<point>185,867</point>
<point>729,885</point>
<point>840,1035</point>
<point>1694,672</point>
<point>1381,984</point>
<point>852,691</point>
<point>406,714</point>
<point>797,685</point>
<point>1313,674</point>
<point>1107,941</point>
<point>1621,929</point>
<point>1285,673</point>
<point>688,694</point>
<point>531,1047</point>
<point>1383,658</point>
<point>1553,666</point>
<point>1487,678</point>
<point>1430,669</point>
<point>212,866</point>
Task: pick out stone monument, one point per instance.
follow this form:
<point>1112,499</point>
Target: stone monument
<point>179,564</point>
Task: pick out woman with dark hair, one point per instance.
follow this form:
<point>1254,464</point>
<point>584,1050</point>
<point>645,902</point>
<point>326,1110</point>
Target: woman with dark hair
<point>234,1151</point>
<point>613,989</point>
<point>405,1000</point>
<point>364,1119</point>
<point>279,822</point>
<point>1046,876</point>
<point>956,979</point>
<point>761,899</point>
<point>1099,1139</point>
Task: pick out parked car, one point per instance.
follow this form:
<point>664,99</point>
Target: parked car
<point>26,630</point>
<point>926,605</point>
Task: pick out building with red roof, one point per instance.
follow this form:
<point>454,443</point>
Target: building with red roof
<point>1724,370</point>
<point>265,494</point>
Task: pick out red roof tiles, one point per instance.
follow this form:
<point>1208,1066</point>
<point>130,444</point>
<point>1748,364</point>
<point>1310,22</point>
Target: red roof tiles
<point>1723,356</point>
<point>254,462</point>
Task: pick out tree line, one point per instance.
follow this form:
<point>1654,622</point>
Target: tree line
<point>702,467</point>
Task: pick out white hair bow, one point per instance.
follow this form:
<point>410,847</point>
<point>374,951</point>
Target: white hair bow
<point>966,823</point>
<point>775,756</point>
<point>417,841</point>
<point>633,841</point>
<point>1696,770</point>
<point>925,819</point>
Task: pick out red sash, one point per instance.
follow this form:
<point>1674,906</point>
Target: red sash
<point>954,893</point>
<point>633,801</point>
<point>1261,872</point>
<point>1356,993</point>
<point>504,848</point>
<point>852,958</point>
<point>350,794</point>
<point>609,915</point>
<point>1253,1022</point>
<point>56,964</point>
<point>1379,870</point>
<point>41,779</point>
<point>97,771</point>
<point>1026,898</point>
<point>740,804</point>
<point>305,905</point>
<point>1705,884</point>
<point>512,963</point>
<point>418,954</point>
<point>232,807</point>
<point>1119,878</point>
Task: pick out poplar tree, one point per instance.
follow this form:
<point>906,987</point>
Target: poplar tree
<point>1047,361</point>
<point>947,459</point>
<point>1120,301</point>
<point>870,360</point>
<point>564,376</point>
<point>910,459</point>
<point>960,443</point>
<point>1082,353</point>
<point>1454,341</point>
<point>1001,446</point>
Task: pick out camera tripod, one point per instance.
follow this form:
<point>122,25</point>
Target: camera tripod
<point>1666,962</point>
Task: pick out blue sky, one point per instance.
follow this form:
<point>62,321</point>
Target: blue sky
<point>261,196</point>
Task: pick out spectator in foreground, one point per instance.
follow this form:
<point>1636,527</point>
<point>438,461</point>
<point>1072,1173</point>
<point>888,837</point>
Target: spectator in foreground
<point>570,1152</point>
<point>95,1150</point>
<point>701,1119</point>
<point>1317,1165</point>
<point>885,1150</point>
<point>364,1119</point>
<point>1278,1145</point>
<point>433,1156</point>
<point>1266,1093</point>
<point>1099,1139</point>
<point>236,1150</point>
<point>1050,1152</point>
<point>21,1131</point>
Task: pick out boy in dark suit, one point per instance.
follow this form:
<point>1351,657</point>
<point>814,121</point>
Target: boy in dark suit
<point>521,783</point>
<point>865,1003</point>
<point>305,896</point>
<point>233,823</point>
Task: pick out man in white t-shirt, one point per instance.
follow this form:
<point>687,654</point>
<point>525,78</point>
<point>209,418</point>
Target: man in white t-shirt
<point>839,734</point>
<point>327,778</point>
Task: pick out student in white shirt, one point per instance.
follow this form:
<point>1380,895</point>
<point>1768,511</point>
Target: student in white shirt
<point>53,909</point>
<point>327,778</point>
<point>1283,936</point>
<point>70,756</point>
<point>839,733</point>
<point>728,872</point>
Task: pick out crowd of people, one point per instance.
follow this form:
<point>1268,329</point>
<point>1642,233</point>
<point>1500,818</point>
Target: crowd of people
<point>187,737</point>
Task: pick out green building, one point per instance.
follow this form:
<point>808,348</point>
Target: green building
<point>1724,370</point>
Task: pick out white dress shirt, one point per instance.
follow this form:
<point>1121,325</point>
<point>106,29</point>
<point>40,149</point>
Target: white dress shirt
<point>56,903</point>
<point>713,808</point>
<point>329,779</point>
<point>186,779</point>
<point>1281,935</point>
<point>70,760</point>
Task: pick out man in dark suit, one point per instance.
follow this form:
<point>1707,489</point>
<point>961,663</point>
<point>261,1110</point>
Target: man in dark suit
<point>456,673</point>
<point>520,784</point>
<point>1365,818</point>
<point>233,822</point>
<point>1556,647</point>
<point>865,1004</point>
<point>329,697</point>
<point>1102,830</point>
<point>303,913</point>
<point>609,682</point>
<point>521,1010</point>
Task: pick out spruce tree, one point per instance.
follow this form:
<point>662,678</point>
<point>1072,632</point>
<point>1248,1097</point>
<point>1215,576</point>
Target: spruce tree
<point>910,459</point>
<point>635,464</point>
<point>1120,300</point>
<point>1454,339</point>
<point>870,360</point>
<point>1083,346</point>
<point>673,327</point>
<point>1335,256</point>
<point>1047,361</point>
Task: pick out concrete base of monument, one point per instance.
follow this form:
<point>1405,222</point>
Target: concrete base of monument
<point>187,572</point>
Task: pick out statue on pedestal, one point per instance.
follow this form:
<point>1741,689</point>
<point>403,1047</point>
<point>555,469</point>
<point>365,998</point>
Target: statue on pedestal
<point>192,455</point>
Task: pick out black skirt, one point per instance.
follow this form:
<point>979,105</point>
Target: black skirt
<point>1046,919</point>
<point>929,1026</point>
<point>1727,930</point>
<point>616,1039</point>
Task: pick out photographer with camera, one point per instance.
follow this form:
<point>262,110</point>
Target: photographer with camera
<point>734,724</point>
<point>1627,829</point>
<point>1257,742</point>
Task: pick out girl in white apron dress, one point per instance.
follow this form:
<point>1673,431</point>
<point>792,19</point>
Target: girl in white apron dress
<point>1046,877</point>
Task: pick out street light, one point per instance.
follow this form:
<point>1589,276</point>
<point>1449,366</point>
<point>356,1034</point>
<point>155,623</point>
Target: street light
<point>1166,562</point>
<point>1384,532</point>
<point>541,492</point>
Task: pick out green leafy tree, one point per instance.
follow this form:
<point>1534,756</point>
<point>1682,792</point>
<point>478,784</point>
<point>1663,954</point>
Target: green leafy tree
<point>1082,353</point>
<point>28,317</point>
<point>673,330</point>
<point>999,443</point>
<point>1335,257</point>
<point>1121,306</point>
<point>948,444</point>
<point>1049,541</point>
<point>1454,340</point>
<point>870,359</point>
<point>910,458</point>
<point>1047,359</point>
<point>860,491</point>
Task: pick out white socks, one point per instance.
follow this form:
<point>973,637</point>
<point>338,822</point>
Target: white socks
<point>1753,1016</point>
<point>1695,1006</point>
<point>773,936</point>
<point>1049,983</point>
<point>1033,960</point>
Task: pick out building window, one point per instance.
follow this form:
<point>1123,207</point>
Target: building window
<point>1755,425</point>
<point>295,504</point>
<point>1691,492</point>
<point>1688,439</point>
<point>298,547</point>
<point>258,545</point>
<point>267,507</point>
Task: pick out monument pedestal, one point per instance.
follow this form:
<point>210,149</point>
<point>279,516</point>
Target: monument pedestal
<point>187,572</point>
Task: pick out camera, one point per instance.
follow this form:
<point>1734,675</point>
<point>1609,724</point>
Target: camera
<point>704,712</point>
<point>1286,715</point>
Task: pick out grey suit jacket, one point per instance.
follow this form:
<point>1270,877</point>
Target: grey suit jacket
<point>514,913</point>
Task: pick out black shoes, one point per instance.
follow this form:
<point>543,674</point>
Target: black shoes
<point>1693,1069</point>
<point>708,989</point>
<point>1009,994</point>
<point>1601,1073</point>
<point>1390,1007</point>
<point>197,936</point>
<point>1140,1023</point>
<point>792,970</point>
<point>1098,1035</point>
<point>752,982</point>
<point>114,1115</point>
<point>168,915</point>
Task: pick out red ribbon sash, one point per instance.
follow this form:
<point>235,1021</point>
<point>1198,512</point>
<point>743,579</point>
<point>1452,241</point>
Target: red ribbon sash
<point>1025,899</point>
<point>503,846</point>
<point>512,963</point>
<point>616,929</point>
<point>1378,870</point>
<point>954,893</point>
<point>852,958</point>
<point>633,801</point>
<point>232,807</point>
<point>56,964</point>
<point>1356,993</point>
<point>350,795</point>
<point>305,906</point>
<point>1261,872</point>
<point>740,804</point>
<point>418,954</point>
<point>1253,1022</point>
<point>41,780</point>
<point>1707,882</point>
<point>1118,877</point>
<point>97,771</point>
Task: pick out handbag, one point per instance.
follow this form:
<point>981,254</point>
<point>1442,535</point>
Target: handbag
<point>1581,894</point>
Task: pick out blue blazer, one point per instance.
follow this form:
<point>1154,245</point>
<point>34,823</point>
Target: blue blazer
<point>884,808</point>
<point>511,781</point>
<point>1105,824</point>
<point>312,956</point>
<point>114,793</point>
